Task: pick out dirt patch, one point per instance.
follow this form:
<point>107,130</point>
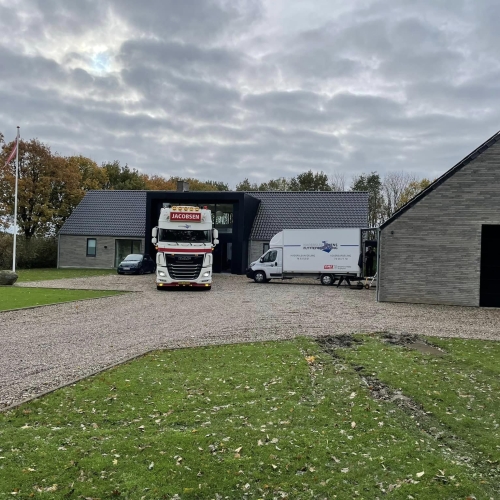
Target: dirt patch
<point>379,390</point>
<point>412,341</point>
<point>331,342</point>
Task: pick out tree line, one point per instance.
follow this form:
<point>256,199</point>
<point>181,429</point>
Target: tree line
<point>50,186</point>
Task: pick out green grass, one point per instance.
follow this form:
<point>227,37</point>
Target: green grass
<point>270,420</point>
<point>16,297</point>
<point>54,274</point>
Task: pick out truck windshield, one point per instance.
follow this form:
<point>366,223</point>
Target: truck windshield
<point>184,235</point>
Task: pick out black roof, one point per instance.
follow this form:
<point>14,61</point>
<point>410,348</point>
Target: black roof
<point>123,213</point>
<point>280,210</point>
<point>461,164</point>
<point>109,213</point>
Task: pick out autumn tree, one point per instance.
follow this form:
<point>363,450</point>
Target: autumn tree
<point>48,188</point>
<point>413,188</point>
<point>338,181</point>
<point>91,175</point>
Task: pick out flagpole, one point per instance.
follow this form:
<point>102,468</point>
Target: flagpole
<point>15,203</point>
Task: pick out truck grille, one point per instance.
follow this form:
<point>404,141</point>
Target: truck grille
<point>184,267</point>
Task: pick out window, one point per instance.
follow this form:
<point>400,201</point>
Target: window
<point>91,247</point>
<point>270,256</point>
<point>265,248</point>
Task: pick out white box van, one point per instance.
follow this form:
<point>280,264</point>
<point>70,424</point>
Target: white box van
<point>327,254</point>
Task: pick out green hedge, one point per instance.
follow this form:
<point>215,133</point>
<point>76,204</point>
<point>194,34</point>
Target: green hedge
<point>37,252</point>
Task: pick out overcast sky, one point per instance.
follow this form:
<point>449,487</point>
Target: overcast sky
<point>228,89</point>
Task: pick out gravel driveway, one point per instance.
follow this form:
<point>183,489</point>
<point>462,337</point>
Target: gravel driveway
<point>45,347</point>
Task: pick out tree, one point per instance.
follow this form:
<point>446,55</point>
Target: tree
<point>337,181</point>
<point>393,187</point>
<point>373,185</point>
<point>91,175</point>
<point>246,185</point>
<point>412,190</point>
<point>309,181</point>
<point>48,188</point>
<point>123,177</point>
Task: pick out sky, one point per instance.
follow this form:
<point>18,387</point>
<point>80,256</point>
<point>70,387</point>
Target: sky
<point>259,89</point>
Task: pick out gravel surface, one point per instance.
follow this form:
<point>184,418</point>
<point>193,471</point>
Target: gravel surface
<point>45,347</point>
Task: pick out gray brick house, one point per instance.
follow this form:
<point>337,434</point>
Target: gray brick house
<point>103,229</point>
<point>443,247</point>
<point>108,225</point>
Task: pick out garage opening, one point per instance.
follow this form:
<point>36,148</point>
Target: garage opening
<point>490,266</point>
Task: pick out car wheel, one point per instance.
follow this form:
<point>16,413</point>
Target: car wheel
<point>326,279</point>
<point>259,277</point>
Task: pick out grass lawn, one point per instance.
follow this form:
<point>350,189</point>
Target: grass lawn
<point>13,297</point>
<point>271,420</point>
<point>54,274</point>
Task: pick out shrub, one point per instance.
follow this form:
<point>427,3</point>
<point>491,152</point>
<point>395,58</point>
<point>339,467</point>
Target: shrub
<point>34,253</point>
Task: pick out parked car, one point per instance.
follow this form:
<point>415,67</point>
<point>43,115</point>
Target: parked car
<point>137,263</point>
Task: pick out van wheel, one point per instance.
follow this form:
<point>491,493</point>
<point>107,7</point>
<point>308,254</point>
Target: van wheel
<point>326,279</point>
<point>259,277</point>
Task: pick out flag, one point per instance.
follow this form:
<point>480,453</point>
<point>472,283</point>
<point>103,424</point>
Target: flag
<point>12,154</point>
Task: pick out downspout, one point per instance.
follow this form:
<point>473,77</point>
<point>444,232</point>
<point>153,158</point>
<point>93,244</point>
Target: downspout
<point>379,239</point>
<point>58,248</point>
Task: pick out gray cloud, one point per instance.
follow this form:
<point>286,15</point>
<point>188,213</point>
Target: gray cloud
<point>226,89</point>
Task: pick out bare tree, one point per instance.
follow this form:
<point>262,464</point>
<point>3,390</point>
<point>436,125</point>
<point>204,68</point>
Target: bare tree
<point>338,181</point>
<point>394,186</point>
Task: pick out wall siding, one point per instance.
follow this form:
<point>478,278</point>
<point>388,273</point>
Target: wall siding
<point>73,251</point>
<point>432,252</point>
<point>255,250</point>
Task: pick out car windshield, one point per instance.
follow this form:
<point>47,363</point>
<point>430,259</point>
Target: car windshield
<point>184,235</point>
<point>133,258</point>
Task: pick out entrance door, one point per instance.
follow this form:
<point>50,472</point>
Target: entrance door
<point>490,266</point>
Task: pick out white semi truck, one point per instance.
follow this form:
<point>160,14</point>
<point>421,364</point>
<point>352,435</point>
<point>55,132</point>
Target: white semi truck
<point>327,254</point>
<point>184,240</point>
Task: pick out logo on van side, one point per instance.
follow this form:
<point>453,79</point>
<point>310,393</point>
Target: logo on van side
<point>326,247</point>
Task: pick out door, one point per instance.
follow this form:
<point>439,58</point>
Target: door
<point>489,291</point>
<point>270,263</point>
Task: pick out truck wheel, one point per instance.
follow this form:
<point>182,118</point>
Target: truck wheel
<point>326,279</point>
<point>259,277</point>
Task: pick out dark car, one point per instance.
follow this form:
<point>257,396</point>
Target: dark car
<point>137,263</point>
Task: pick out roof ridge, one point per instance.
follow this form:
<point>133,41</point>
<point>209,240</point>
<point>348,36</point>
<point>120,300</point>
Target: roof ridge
<point>450,172</point>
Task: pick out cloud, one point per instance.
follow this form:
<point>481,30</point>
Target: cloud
<point>228,89</point>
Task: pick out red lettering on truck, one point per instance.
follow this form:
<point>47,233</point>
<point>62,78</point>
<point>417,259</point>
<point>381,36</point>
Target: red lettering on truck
<point>185,216</point>
<point>328,266</point>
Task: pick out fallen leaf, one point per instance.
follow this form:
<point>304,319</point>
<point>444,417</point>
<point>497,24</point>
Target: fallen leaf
<point>420,474</point>
<point>353,425</point>
<point>151,465</point>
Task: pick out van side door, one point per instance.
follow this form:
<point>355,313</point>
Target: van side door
<point>277,265</point>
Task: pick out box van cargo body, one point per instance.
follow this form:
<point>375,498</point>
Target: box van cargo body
<point>326,254</point>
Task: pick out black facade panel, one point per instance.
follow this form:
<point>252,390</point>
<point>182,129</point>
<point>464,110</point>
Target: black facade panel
<point>244,211</point>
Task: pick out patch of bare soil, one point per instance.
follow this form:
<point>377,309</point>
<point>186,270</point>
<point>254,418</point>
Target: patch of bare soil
<point>331,342</point>
<point>412,341</point>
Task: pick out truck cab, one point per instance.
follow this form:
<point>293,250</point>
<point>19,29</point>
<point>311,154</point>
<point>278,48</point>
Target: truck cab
<point>184,240</point>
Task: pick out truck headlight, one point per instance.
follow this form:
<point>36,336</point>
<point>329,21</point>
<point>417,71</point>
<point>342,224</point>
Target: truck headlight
<point>206,274</point>
<point>161,273</point>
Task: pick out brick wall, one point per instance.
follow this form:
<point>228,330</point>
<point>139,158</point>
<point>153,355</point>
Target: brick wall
<point>73,251</point>
<point>431,253</point>
<point>255,250</point>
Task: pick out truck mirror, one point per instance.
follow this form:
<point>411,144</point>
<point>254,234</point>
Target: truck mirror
<point>155,232</point>
<point>216,241</point>
<point>215,233</point>
<point>154,241</point>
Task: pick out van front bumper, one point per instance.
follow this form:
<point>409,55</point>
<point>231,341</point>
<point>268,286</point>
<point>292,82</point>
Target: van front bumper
<point>249,273</point>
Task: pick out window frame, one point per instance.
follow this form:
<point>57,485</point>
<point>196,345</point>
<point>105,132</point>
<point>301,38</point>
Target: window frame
<point>95,247</point>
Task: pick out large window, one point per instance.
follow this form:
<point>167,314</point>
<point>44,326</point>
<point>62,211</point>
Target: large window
<point>126,247</point>
<point>184,236</point>
<point>222,216</point>
<point>91,247</point>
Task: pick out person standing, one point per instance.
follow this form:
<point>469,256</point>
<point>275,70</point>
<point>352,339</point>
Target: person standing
<point>369,256</point>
